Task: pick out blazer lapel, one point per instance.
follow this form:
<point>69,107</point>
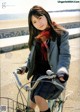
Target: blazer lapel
<point>52,46</point>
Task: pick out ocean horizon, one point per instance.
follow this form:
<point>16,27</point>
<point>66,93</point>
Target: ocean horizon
<point>25,15</point>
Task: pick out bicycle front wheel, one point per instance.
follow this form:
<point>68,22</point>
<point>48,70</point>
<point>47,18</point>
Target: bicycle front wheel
<point>57,104</point>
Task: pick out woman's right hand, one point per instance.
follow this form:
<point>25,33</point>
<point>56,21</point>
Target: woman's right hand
<point>21,70</point>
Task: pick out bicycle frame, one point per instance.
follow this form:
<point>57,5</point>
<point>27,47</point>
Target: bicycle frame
<point>55,105</point>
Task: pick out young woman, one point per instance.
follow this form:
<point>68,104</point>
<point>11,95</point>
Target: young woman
<point>45,55</point>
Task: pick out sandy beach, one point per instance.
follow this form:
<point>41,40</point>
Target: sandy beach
<point>6,24</point>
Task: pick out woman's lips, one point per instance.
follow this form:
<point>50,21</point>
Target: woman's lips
<point>41,26</point>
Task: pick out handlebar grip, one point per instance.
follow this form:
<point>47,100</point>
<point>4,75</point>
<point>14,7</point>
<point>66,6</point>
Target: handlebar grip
<point>19,71</point>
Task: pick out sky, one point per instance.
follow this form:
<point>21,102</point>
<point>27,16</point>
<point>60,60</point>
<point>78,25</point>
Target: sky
<point>23,6</point>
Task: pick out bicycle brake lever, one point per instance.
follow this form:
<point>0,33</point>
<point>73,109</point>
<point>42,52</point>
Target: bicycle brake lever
<point>49,73</point>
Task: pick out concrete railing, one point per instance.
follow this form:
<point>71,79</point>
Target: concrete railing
<point>19,42</point>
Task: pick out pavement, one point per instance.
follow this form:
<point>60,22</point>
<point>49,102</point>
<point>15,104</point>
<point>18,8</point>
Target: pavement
<point>9,61</point>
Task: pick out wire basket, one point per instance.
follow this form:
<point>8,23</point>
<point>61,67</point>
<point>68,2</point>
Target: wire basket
<point>10,105</point>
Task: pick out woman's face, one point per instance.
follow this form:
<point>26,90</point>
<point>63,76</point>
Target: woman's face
<point>40,22</point>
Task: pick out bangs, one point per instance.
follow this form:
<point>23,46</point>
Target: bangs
<point>36,13</point>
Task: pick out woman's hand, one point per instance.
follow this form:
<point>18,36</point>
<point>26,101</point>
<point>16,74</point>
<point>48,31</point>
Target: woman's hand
<point>62,79</point>
<point>21,70</point>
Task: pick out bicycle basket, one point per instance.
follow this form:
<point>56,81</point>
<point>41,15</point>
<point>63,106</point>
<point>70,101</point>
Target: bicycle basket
<point>11,105</point>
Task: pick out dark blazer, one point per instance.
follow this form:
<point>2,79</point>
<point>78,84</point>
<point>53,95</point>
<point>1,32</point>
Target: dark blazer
<point>58,61</point>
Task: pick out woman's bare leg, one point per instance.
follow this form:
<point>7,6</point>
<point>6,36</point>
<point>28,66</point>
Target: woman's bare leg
<point>32,105</point>
<point>41,102</point>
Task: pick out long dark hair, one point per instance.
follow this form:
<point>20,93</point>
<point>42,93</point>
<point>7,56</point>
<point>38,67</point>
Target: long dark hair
<point>39,11</point>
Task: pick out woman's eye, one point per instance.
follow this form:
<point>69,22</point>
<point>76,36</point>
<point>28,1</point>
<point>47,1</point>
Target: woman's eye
<point>40,17</point>
<point>34,22</point>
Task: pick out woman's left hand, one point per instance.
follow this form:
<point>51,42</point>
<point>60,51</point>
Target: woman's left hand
<point>61,79</point>
<point>62,76</point>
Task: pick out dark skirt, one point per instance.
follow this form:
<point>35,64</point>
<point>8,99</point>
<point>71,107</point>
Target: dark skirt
<point>45,89</point>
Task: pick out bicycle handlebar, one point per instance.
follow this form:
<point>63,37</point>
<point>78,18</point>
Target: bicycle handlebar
<point>50,75</point>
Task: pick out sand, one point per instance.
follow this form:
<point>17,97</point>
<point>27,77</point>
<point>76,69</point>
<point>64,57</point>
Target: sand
<point>5,24</point>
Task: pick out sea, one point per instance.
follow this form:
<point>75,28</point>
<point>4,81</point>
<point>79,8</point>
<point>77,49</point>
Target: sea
<point>56,13</point>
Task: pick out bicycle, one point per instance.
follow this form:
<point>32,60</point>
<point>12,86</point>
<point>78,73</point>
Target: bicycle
<point>56,105</point>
